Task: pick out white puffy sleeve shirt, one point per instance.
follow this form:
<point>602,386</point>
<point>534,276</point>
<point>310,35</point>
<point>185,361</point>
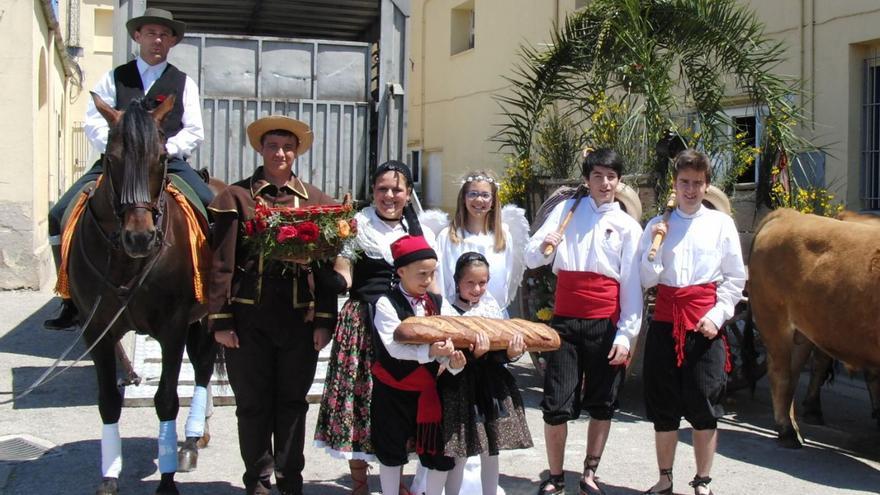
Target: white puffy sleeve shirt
<point>387,321</point>
<point>181,144</point>
<point>500,263</point>
<point>602,240</point>
<point>698,249</point>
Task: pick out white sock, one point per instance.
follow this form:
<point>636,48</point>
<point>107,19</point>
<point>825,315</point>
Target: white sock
<point>489,473</point>
<point>389,477</point>
<point>455,477</point>
<point>111,451</point>
<point>436,482</point>
<point>167,446</point>
<point>195,422</point>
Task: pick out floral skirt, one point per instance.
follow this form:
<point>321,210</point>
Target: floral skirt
<point>343,427</point>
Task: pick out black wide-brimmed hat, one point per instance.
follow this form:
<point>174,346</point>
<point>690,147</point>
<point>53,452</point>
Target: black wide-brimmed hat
<point>156,16</point>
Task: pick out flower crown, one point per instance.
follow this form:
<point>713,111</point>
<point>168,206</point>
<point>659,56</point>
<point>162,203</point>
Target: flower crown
<point>479,178</point>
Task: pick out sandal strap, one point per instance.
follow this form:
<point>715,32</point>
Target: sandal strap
<point>592,462</point>
<point>557,481</point>
<point>700,481</point>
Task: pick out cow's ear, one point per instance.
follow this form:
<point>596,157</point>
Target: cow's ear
<point>110,114</point>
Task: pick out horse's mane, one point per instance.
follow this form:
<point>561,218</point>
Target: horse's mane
<point>139,147</point>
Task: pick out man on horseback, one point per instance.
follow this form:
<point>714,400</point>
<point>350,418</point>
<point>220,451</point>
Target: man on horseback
<point>273,316</point>
<point>149,76</point>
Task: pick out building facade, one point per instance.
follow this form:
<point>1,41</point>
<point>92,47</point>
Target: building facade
<point>463,50</point>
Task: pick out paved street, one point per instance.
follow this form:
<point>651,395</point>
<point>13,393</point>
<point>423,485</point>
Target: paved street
<point>842,457</point>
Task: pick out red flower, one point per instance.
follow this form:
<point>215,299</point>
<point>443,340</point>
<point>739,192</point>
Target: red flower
<point>286,232</point>
<point>260,225</point>
<point>300,213</point>
<point>249,228</point>
<point>308,231</point>
<point>261,210</point>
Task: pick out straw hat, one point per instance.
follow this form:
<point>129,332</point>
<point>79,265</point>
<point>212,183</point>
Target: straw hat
<point>717,199</point>
<point>300,129</point>
<point>629,201</point>
<point>156,16</point>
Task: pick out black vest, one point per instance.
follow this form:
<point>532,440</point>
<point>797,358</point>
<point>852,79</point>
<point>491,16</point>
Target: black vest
<point>400,368</point>
<point>371,279</point>
<point>129,87</point>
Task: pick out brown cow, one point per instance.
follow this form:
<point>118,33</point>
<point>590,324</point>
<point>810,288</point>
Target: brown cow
<point>813,280</point>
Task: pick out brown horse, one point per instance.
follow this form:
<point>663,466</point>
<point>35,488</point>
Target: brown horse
<point>130,268</point>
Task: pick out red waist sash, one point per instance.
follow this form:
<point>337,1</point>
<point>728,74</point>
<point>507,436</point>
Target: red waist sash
<point>587,295</point>
<point>429,413</point>
<point>684,307</point>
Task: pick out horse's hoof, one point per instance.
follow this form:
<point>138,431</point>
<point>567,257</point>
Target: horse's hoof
<point>167,485</point>
<point>108,486</point>
<point>188,456</point>
<point>204,440</point>
<point>789,438</point>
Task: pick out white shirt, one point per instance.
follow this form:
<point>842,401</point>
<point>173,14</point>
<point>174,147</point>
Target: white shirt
<point>500,263</point>
<point>375,236</point>
<point>698,249</point>
<point>181,145</point>
<point>602,240</point>
<point>487,307</point>
<point>386,321</point>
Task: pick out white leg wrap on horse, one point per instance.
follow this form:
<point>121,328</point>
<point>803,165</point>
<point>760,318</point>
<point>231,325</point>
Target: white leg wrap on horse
<point>389,477</point>
<point>195,422</point>
<point>168,446</point>
<point>111,451</point>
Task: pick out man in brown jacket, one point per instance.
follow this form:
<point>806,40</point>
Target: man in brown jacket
<point>267,313</point>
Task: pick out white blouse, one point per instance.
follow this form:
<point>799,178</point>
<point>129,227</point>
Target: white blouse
<point>698,249</point>
<point>602,240</point>
<point>501,272</point>
<point>375,236</point>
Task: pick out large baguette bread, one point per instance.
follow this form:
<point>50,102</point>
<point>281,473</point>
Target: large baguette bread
<point>463,330</point>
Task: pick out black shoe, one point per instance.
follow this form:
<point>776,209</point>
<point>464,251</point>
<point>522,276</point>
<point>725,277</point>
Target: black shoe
<point>66,320</point>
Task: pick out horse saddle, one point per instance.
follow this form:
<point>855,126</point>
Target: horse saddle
<point>88,189</point>
<point>192,198</point>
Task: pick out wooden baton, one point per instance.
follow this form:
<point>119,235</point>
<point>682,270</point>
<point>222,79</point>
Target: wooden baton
<point>579,195</point>
<point>658,237</point>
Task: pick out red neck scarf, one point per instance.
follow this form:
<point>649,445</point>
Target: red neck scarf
<point>587,295</point>
<point>425,300</point>
<point>429,413</point>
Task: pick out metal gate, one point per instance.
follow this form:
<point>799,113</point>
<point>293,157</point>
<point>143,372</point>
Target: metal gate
<point>323,83</point>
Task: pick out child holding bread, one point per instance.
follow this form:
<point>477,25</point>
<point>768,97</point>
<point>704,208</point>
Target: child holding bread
<point>405,400</point>
<point>482,407</point>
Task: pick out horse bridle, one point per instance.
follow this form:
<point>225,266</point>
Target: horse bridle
<point>156,207</point>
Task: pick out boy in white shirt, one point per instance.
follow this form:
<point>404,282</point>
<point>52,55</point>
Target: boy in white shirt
<point>699,274</point>
<point>405,401</point>
<point>598,312</point>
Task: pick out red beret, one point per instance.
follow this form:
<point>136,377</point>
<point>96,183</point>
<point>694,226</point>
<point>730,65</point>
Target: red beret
<point>411,248</point>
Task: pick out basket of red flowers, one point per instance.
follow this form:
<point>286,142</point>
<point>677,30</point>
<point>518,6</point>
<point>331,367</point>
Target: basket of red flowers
<point>307,233</point>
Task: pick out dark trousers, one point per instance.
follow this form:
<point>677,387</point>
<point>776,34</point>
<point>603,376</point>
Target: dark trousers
<point>583,354</point>
<point>270,374</point>
<point>694,390</point>
<point>175,166</point>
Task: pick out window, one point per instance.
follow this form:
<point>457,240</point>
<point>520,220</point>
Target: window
<point>870,130</point>
<point>103,40</point>
<point>415,164</point>
<point>462,28</point>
